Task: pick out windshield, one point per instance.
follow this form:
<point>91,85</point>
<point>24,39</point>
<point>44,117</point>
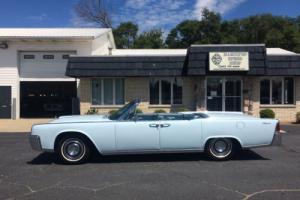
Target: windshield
<point>122,111</point>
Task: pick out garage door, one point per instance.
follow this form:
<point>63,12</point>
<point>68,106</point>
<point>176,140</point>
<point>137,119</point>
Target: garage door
<point>47,99</point>
<point>43,64</point>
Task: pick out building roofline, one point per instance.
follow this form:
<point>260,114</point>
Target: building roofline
<point>46,36</point>
<point>127,56</point>
<point>227,45</point>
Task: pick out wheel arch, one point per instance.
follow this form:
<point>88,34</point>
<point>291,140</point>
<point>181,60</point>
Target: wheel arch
<point>79,133</point>
<point>236,140</point>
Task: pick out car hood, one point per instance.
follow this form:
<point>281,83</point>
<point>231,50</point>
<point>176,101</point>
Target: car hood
<point>81,118</point>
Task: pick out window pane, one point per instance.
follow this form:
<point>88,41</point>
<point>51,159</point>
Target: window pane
<point>177,91</point>
<point>214,103</point>
<point>119,83</point>
<point>28,56</point>
<point>108,91</point>
<point>47,57</point>
<point>277,91</point>
<point>214,87</point>
<point>288,91</point>
<point>233,88</point>
<point>96,91</point>
<point>265,92</point>
<point>154,92</point>
<point>165,92</point>
<point>233,104</point>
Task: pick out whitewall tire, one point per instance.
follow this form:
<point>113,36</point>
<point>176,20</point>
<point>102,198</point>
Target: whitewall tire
<point>73,150</point>
<point>220,148</point>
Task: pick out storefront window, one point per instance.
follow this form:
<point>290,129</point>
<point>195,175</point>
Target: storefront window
<point>154,92</point>
<point>277,91</point>
<point>265,91</point>
<point>119,85</point>
<point>288,90</point>
<point>165,91</point>
<point>177,91</point>
<point>107,91</point>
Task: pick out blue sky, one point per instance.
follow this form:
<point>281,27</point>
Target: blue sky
<point>163,14</point>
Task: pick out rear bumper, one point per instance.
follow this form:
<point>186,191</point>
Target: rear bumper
<point>276,139</point>
<point>35,142</point>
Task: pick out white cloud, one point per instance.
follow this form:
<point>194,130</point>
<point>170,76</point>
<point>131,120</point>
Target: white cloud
<point>220,6</point>
<point>150,14</point>
<point>163,14</point>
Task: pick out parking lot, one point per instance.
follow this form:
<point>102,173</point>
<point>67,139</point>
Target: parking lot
<point>262,173</point>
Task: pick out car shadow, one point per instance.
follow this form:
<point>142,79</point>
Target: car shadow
<point>51,158</point>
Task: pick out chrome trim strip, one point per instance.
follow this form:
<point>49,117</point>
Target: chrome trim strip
<point>35,142</point>
<point>276,139</point>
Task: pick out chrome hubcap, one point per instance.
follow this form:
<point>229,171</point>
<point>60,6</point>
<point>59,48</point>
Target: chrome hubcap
<point>220,146</point>
<point>73,149</point>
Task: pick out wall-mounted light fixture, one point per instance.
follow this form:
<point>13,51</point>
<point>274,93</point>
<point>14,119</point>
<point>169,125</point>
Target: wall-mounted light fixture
<point>3,45</point>
<point>110,51</point>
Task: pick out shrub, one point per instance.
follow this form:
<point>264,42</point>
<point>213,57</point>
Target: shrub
<point>298,117</point>
<point>180,109</point>
<point>159,111</point>
<point>137,111</point>
<point>92,111</point>
<point>111,112</point>
<point>267,113</point>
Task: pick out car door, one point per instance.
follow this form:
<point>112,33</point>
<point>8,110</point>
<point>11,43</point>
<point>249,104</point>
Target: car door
<point>179,132</point>
<point>138,134</point>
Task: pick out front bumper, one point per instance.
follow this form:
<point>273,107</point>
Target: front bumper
<point>35,142</point>
<point>276,139</point>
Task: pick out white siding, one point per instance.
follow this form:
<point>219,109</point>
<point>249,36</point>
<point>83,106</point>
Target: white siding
<point>39,67</point>
<point>101,44</point>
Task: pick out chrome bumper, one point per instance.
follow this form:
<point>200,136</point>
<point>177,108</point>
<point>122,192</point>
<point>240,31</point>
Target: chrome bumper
<point>35,142</point>
<point>276,139</point>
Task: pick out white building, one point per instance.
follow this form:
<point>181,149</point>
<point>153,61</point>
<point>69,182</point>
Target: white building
<point>33,64</point>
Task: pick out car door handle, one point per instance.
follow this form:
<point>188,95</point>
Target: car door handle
<point>153,125</point>
<point>165,125</point>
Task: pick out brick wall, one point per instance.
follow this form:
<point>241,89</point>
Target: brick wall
<point>285,113</point>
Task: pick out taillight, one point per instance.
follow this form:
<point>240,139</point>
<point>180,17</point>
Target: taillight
<point>277,127</point>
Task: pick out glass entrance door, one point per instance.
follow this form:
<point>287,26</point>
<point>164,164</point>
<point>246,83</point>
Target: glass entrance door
<point>224,94</point>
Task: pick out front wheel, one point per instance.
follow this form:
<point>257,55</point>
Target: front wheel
<point>220,148</point>
<point>73,150</point>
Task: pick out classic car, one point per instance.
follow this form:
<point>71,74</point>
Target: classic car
<point>219,134</point>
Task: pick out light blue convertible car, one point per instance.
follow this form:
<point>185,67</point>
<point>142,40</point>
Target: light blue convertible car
<point>219,134</point>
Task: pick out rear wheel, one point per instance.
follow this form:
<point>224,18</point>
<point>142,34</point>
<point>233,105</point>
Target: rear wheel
<point>73,150</point>
<point>220,148</point>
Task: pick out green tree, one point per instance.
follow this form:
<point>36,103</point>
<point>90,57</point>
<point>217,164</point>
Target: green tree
<point>125,35</point>
<point>274,31</point>
<point>230,32</point>
<point>210,28</point>
<point>184,34</point>
<point>206,31</point>
<point>152,39</point>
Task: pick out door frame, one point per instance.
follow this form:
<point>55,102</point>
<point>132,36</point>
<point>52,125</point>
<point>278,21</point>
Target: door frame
<point>224,78</point>
<point>10,100</point>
